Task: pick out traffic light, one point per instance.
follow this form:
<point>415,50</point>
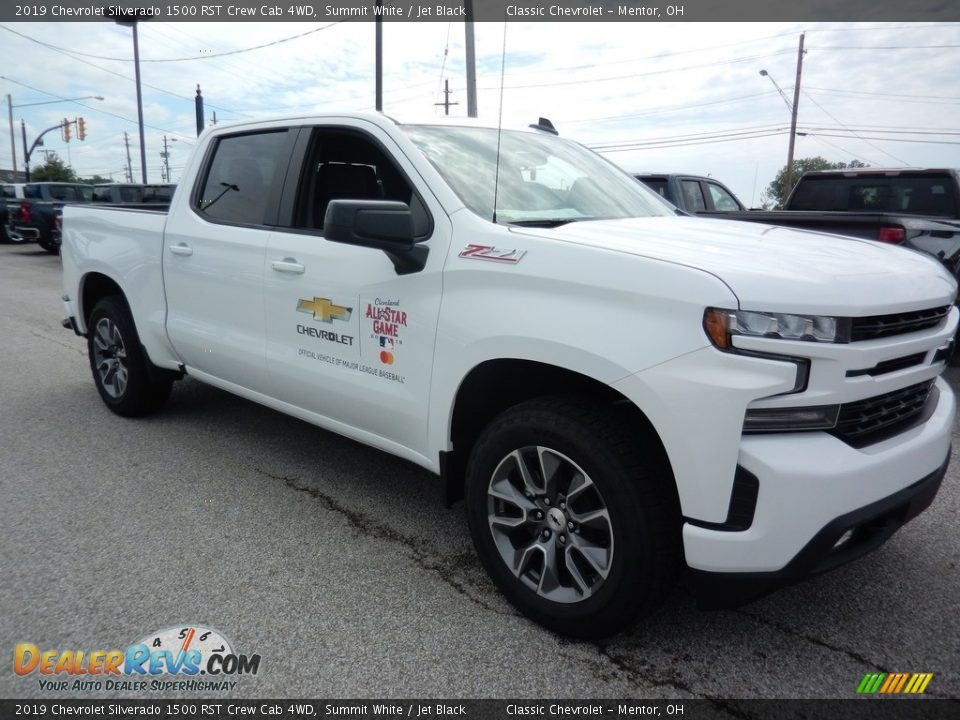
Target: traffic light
<point>81,129</point>
<point>66,130</point>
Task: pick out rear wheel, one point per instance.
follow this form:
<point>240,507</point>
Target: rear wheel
<point>576,523</point>
<point>50,246</point>
<point>119,362</point>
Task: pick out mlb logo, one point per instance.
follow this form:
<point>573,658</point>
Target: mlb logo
<point>386,342</point>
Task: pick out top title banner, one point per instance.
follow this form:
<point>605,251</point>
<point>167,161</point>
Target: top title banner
<point>485,10</point>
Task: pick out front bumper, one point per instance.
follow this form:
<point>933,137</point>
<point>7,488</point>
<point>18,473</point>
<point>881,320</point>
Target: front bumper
<point>840,541</point>
<point>808,480</point>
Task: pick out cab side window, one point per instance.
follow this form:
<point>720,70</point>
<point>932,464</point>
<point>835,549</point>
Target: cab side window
<point>347,165</point>
<point>693,195</point>
<point>240,177</point>
<point>722,200</point>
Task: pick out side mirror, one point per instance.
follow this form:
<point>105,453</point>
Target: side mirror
<point>382,224</point>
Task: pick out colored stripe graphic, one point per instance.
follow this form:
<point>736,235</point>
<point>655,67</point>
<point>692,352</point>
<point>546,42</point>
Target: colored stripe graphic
<point>870,683</point>
<point>918,683</point>
<point>894,683</point>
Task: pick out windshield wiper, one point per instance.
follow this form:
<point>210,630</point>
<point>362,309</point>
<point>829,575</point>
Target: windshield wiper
<point>548,222</point>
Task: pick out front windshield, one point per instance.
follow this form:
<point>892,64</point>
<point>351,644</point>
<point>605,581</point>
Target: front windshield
<point>543,179</point>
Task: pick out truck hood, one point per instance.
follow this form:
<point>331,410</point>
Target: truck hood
<point>774,268</point>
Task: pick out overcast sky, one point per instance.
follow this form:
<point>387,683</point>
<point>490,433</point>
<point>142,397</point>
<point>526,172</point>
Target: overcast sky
<point>681,97</point>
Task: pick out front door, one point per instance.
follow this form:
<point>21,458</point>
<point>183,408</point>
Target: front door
<point>348,337</point>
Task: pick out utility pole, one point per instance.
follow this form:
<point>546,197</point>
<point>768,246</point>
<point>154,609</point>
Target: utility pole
<point>788,181</point>
<point>13,144</point>
<point>378,57</point>
<point>126,140</point>
<point>471,59</point>
<point>446,98</point>
<point>166,160</point>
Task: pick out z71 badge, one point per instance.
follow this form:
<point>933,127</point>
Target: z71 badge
<point>489,252</point>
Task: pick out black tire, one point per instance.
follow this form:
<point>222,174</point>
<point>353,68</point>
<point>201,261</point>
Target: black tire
<point>640,539</point>
<point>49,246</point>
<point>119,362</point>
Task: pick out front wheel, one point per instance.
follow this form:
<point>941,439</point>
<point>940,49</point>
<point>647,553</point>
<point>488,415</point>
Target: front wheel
<point>575,521</point>
<point>119,362</point>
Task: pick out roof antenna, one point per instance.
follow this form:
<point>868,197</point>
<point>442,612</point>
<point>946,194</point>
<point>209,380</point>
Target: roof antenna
<point>545,125</point>
<point>503,64</point>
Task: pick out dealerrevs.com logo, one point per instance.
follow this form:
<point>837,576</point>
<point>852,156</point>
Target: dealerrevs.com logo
<point>183,658</point>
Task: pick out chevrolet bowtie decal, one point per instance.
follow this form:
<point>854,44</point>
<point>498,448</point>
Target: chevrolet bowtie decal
<point>324,310</point>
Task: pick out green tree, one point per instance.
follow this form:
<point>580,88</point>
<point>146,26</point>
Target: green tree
<point>774,197</point>
<point>53,170</point>
<point>96,180</point>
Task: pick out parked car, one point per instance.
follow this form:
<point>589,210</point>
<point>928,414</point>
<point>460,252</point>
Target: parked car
<point>133,193</point>
<point>35,216</point>
<point>916,208</point>
<point>619,393</point>
<point>692,193</point>
<point>10,196</point>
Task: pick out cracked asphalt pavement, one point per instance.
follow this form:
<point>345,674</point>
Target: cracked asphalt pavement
<point>342,568</point>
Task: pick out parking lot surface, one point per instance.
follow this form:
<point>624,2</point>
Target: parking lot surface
<point>340,566</point>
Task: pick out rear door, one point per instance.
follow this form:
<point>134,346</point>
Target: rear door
<point>213,258</point>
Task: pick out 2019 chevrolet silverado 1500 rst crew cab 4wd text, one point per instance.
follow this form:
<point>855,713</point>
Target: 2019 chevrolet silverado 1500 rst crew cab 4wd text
<point>618,392</point>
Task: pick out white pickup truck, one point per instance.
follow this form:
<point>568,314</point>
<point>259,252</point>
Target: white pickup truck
<point>620,394</point>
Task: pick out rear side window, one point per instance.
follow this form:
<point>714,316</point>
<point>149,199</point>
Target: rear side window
<point>693,196</point>
<point>241,176</point>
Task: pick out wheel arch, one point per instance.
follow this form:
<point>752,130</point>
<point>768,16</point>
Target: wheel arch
<point>494,386</point>
<point>94,286</point>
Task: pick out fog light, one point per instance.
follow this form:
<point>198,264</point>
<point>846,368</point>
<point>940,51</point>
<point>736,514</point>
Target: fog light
<point>819,417</point>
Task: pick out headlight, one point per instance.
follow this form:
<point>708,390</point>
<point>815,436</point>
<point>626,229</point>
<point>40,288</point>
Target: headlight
<point>721,325</point>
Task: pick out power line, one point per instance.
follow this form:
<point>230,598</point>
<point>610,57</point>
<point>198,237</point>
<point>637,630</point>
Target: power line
<point>179,59</point>
<point>129,79</point>
<point>91,107</point>
<point>844,150</point>
<point>666,109</point>
<point>889,139</point>
<point>632,76</point>
<point>682,141</point>
<point>685,144</point>
<point>884,47</point>
<point>835,119</point>
<point>890,95</point>
<point>658,56</point>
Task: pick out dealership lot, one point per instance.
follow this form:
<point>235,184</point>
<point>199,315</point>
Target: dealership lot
<point>341,567</point>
